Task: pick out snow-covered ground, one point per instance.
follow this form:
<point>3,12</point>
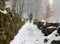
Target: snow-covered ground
<point>30,34</point>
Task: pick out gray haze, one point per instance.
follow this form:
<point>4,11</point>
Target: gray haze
<point>36,8</point>
<point>56,15</point>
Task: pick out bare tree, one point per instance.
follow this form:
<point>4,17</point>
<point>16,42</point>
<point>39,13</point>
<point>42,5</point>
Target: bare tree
<point>49,12</point>
<point>21,7</point>
<point>18,5</point>
<point>14,4</point>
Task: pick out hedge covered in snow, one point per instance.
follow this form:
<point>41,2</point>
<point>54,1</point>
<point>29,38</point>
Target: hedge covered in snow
<point>10,23</point>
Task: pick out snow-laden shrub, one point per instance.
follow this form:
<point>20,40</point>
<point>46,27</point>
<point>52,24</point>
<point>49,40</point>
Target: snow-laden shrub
<point>48,28</point>
<point>55,42</point>
<point>48,31</point>
<point>38,23</point>
<point>58,31</point>
<point>10,24</point>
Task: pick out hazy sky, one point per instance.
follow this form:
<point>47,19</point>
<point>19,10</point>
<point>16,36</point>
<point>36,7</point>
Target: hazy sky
<point>56,15</point>
<point>56,7</point>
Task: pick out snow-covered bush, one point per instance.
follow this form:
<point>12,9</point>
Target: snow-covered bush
<point>38,23</point>
<point>58,31</point>
<point>48,31</point>
<point>55,42</point>
<point>48,27</point>
<point>10,24</point>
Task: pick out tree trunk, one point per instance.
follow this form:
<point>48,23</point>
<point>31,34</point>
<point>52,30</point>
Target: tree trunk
<point>14,4</point>
<point>21,7</point>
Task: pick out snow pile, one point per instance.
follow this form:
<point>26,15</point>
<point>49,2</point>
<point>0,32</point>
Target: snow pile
<point>30,34</point>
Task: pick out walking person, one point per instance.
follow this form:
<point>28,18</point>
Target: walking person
<point>30,17</point>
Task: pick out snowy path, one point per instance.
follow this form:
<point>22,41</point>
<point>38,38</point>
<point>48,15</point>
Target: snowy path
<point>30,34</point>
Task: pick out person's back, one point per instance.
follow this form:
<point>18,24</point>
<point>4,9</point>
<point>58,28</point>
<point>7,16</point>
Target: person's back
<point>30,17</point>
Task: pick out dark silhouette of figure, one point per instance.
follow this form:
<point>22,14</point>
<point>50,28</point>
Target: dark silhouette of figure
<point>30,17</point>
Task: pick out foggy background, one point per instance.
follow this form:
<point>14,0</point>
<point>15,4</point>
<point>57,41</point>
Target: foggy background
<point>56,12</point>
<point>36,8</point>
